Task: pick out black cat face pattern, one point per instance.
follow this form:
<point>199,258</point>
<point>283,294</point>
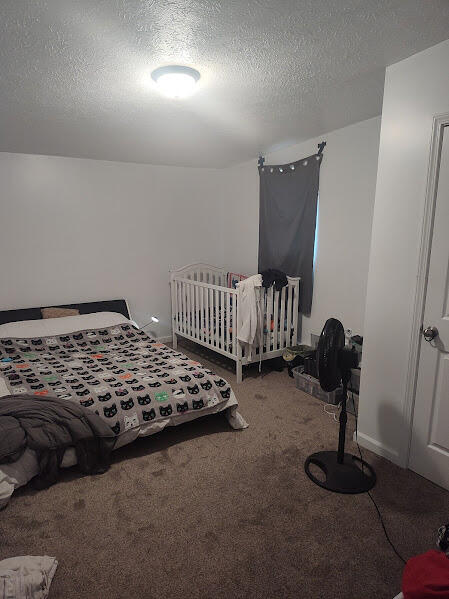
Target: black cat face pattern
<point>182,407</point>
<point>127,405</point>
<point>110,411</point>
<point>165,410</point>
<point>143,400</point>
<point>151,415</point>
<point>105,397</point>
<point>117,372</point>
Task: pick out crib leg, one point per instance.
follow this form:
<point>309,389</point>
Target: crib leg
<point>238,371</point>
<point>175,340</point>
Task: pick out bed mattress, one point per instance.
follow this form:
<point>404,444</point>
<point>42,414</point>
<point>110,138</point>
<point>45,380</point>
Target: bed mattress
<point>105,363</point>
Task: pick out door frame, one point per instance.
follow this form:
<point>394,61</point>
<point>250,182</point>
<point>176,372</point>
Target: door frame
<point>439,123</point>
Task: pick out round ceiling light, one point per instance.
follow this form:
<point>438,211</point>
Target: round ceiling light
<point>176,81</point>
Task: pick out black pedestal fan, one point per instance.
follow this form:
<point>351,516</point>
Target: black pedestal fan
<point>343,472</point>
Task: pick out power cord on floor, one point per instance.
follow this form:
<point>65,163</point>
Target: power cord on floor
<point>332,412</point>
<point>369,492</point>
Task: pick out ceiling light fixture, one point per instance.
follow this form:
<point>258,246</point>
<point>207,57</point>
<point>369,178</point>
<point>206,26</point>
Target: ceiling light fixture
<point>176,81</point>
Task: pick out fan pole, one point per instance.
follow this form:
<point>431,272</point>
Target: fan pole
<point>343,420</point>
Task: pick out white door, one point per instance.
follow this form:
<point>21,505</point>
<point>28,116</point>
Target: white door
<point>429,451</point>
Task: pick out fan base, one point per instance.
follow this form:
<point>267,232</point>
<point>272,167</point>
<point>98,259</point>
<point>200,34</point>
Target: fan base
<point>341,478</point>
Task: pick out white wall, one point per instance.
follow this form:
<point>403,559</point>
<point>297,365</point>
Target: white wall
<point>81,230</point>
<point>347,189</point>
<point>416,89</point>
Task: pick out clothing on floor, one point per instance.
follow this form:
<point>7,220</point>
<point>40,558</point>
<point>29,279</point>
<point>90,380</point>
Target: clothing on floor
<point>274,277</point>
<point>426,576</point>
<point>26,576</point>
<point>296,356</point>
<point>443,538</point>
<point>49,426</point>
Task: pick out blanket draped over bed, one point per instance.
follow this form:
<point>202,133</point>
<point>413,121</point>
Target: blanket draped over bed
<point>49,426</point>
<point>127,378</point>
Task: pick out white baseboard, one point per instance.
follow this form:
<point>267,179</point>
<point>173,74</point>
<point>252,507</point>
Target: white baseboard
<point>164,339</point>
<point>379,448</point>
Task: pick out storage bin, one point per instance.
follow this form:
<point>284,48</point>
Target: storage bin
<point>312,386</point>
<point>354,383</point>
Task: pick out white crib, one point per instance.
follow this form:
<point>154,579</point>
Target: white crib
<point>205,310</point>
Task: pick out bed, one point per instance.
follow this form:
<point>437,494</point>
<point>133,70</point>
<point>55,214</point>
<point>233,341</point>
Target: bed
<point>205,310</point>
<point>103,361</point>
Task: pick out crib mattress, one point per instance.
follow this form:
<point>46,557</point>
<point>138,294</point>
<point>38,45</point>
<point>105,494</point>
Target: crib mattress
<point>217,325</point>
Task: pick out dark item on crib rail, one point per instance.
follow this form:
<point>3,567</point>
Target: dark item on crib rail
<point>271,276</point>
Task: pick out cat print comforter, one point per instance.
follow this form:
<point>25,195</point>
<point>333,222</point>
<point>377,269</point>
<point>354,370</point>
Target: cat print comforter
<point>133,382</point>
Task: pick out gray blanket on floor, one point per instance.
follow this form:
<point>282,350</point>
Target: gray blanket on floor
<point>49,426</point>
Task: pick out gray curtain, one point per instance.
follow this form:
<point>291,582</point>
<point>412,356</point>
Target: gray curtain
<point>288,205</point>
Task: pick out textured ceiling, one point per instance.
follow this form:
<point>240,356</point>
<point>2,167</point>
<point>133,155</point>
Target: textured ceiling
<point>274,72</point>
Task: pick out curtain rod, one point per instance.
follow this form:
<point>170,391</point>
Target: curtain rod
<point>321,147</point>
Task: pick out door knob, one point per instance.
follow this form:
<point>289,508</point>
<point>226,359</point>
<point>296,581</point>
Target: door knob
<point>430,333</point>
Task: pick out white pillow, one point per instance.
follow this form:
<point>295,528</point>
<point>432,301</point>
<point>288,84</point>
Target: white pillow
<point>59,326</point>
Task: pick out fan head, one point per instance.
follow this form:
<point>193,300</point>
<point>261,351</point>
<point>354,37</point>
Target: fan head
<point>330,344</point>
<point>333,360</point>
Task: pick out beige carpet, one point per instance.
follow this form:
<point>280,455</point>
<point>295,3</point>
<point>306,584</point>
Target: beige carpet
<point>203,511</point>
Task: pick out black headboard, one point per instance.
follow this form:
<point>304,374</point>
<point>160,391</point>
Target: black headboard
<point>118,305</point>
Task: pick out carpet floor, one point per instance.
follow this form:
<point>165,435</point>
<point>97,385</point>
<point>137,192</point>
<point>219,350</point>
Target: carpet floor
<point>202,511</point>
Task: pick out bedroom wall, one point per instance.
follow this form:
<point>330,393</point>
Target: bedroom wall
<point>416,89</point>
<point>87,229</point>
<point>80,230</point>
<point>347,189</point>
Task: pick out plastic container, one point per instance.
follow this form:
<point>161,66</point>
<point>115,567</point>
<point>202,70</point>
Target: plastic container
<point>311,385</point>
<point>354,383</point>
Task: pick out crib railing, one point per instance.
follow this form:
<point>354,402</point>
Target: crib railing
<point>204,273</point>
<point>204,313</point>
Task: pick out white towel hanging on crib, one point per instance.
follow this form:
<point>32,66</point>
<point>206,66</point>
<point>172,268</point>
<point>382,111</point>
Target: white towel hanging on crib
<point>250,315</point>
